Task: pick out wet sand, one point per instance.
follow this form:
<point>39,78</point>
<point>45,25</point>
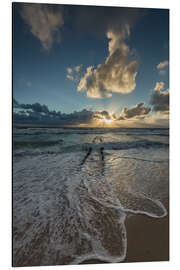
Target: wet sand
<point>147,239</point>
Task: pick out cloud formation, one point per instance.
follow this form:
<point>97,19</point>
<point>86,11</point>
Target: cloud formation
<point>103,114</point>
<point>99,20</point>
<point>15,103</point>
<point>160,98</point>
<point>163,67</point>
<point>73,73</point>
<point>40,114</point>
<point>44,23</point>
<point>137,111</point>
<point>159,86</point>
<point>137,116</point>
<point>116,75</point>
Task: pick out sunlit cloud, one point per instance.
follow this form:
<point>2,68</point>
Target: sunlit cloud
<point>159,86</point>
<point>69,70</point>
<point>138,111</point>
<point>163,67</point>
<point>117,74</point>
<point>136,116</point>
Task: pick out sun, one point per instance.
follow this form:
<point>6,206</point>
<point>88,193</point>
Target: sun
<point>107,121</point>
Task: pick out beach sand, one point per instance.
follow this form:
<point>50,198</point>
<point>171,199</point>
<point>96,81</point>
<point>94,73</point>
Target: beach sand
<point>147,239</point>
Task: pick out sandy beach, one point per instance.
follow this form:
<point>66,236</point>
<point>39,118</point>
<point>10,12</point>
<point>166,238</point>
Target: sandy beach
<point>147,240</point>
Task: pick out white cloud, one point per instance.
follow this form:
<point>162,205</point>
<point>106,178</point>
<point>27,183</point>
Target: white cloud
<point>44,23</point>
<point>163,67</point>
<point>70,77</point>
<point>69,70</point>
<point>117,74</point>
<point>159,86</point>
<point>77,68</point>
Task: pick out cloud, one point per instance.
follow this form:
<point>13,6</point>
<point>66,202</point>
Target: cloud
<point>70,77</point>
<point>163,67</point>
<point>99,20</point>
<point>15,103</point>
<point>73,73</point>
<point>36,107</point>
<point>160,99</point>
<point>137,111</point>
<point>158,120</point>
<point>137,116</point>
<point>69,70</point>
<point>116,75</point>
<point>44,23</point>
<point>40,114</point>
<point>103,114</point>
<point>77,68</point>
<point>159,86</point>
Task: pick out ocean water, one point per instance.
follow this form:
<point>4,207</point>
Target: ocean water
<point>73,189</point>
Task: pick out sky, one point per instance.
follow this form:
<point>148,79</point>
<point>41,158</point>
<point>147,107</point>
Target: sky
<point>90,66</point>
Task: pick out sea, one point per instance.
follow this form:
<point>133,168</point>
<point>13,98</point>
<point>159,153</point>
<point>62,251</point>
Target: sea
<point>73,189</point>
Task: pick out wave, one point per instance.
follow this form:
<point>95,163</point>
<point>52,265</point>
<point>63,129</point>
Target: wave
<point>96,131</point>
<point>59,146</point>
<point>35,144</point>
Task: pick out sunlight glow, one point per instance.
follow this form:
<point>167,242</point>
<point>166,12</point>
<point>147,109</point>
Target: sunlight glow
<point>107,121</point>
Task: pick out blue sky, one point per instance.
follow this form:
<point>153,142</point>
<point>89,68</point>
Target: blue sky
<point>76,36</point>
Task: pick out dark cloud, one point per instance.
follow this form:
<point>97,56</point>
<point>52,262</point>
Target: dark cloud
<point>160,100</point>
<point>102,114</point>
<point>114,116</point>
<point>98,20</point>
<point>40,114</point>
<point>36,107</point>
<point>137,111</point>
<point>15,103</point>
<point>106,114</point>
<point>121,118</point>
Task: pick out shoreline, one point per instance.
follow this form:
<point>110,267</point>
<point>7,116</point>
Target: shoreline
<point>147,239</point>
